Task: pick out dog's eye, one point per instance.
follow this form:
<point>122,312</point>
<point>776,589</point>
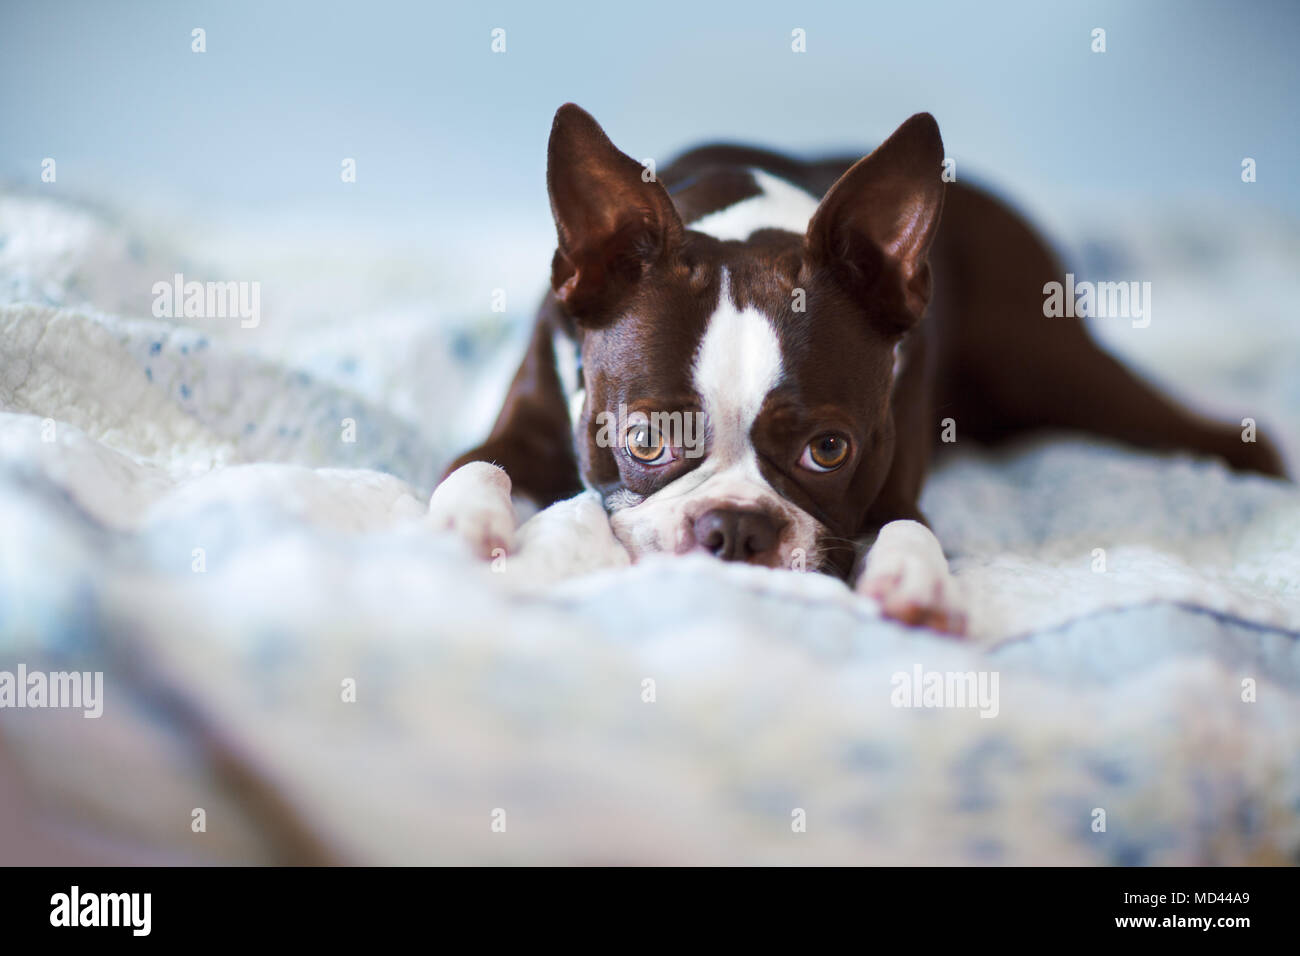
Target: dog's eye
<point>646,445</point>
<point>825,453</point>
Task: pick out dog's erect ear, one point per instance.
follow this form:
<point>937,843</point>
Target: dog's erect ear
<point>611,220</point>
<point>877,221</point>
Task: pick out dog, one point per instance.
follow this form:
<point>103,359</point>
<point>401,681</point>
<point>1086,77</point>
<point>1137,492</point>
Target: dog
<point>750,356</point>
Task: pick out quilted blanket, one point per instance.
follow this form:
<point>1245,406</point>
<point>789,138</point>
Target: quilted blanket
<point>226,522</point>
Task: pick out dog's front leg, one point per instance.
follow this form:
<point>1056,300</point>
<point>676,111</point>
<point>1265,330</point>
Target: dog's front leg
<point>906,573</point>
<point>473,502</point>
<point>529,455</point>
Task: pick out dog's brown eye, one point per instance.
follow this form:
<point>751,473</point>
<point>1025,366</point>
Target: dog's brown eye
<point>645,444</point>
<point>825,453</point>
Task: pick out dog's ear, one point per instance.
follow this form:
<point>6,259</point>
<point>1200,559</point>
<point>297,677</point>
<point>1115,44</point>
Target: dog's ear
<point>874,226</point>
<point>612,221</point>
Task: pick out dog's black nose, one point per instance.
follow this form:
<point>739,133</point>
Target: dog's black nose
<point>750,536</point>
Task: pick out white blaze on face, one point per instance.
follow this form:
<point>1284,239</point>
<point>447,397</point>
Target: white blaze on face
<point>737,365</point>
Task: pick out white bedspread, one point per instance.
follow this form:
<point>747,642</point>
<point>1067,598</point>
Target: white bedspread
<point>179,508</point>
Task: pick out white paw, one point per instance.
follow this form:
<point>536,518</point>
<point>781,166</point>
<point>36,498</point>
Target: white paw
<point>907,575</point>
<point>473,502</point>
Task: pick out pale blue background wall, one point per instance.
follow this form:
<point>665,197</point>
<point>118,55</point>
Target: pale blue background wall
<point>442,128</point>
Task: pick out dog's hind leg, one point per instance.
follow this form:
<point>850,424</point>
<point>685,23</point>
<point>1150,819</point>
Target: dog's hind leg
<point>1008,368</point>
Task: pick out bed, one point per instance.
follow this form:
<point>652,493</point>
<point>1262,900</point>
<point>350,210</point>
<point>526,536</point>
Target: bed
<point>297,670</point>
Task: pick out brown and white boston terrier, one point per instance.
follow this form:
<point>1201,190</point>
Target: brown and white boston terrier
<point>751,356</point>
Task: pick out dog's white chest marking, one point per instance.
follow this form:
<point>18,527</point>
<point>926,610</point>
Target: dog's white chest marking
<point>566,368</point>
